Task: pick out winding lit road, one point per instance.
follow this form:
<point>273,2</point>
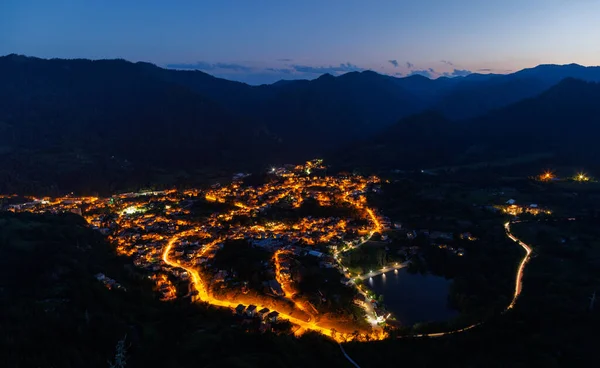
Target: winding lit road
<point>204,296</point>
<point>518,283</point>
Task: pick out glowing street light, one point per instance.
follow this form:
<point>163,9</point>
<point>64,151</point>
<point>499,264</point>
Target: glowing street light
<point>581,177</point>
<point>547,175</point>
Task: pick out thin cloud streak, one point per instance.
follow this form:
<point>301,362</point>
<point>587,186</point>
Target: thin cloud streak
<point>342,68</point>
<point>424,73</point>
<point>202,65</point>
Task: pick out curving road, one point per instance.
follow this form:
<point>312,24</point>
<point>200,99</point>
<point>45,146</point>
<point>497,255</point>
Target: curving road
<point>519,281</point>
<point>204,296</point>
<point>518,284</point>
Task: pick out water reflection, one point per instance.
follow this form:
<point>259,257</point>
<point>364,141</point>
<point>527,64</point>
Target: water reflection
<point>414,298</point>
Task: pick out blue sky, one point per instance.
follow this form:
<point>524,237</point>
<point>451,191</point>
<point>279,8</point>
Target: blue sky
<point>261,41</point>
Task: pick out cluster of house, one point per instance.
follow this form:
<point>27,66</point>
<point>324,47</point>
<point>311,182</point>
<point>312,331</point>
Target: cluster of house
<point>251,312</point>
<point>309,231</point>
<point>108,282</point>
<point>58,205</point>
<point>458,251</point>
<point>164,287</point>
<point>386,223</point>
<point>141,232</point>
<point>408,252</point>
<point>285,265</point>
<point>439,238</point>
<point>467,236</point>
<point>310,167</point>
<point>512,208</point>
<point>273,287</point>
<point>381,313</point>
<point>220,276</point>
<point>439,235</point>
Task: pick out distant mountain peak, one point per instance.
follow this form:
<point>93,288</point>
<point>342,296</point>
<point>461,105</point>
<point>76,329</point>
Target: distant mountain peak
<point>18,57</point>
<point>559,65</point>
<point>417,77</point>
<point>326,76</point>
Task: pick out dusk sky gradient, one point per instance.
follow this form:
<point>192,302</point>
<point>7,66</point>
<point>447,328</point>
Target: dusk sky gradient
<point>264,41</point>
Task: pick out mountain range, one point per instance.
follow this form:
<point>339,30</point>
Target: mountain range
<point>560,123</point>
<point>72,124</point>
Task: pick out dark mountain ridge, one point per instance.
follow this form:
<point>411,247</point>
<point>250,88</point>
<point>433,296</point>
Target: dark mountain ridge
<point>66,123</point>
<point>71,124</point>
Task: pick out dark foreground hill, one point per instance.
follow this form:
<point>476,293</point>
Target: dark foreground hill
<point>54,313</point>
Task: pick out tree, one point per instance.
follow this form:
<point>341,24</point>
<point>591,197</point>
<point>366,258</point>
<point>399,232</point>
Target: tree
<point>120,355</point>
<point>381,257</point>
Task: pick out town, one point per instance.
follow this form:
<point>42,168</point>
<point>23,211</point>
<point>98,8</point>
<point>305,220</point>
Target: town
<point>288,250</point>
<point>242,246</point>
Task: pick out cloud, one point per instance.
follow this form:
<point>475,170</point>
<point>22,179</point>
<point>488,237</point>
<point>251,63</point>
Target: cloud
<point>409,65</point>
<point>342,68</point>
<point>457,73</point>
<point>431,70</point>
<point>394,63</point>
<point>283,71</point>
<point>461,73</point>
<point>447,62</point>
<point>255,74</point>
<point>285,60</point>
<point>236,67</point>
<point>398,74</point>
<point>425,73</point>
<point>202,65</point>
<point>484,70</point>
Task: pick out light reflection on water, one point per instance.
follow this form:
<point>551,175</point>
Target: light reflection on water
<point>383,277</point>
<point>413,298</point>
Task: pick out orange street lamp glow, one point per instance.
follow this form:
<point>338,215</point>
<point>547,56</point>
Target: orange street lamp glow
<point>581,177</point>
<point>547,175</point>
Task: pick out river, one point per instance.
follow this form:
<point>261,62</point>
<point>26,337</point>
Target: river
<point>413,298</point>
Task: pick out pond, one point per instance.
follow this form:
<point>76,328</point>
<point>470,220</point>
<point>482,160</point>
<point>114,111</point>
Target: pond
<point>413,298</point>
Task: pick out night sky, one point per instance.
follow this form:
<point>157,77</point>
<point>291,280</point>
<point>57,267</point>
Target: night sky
<point>263,41</point>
